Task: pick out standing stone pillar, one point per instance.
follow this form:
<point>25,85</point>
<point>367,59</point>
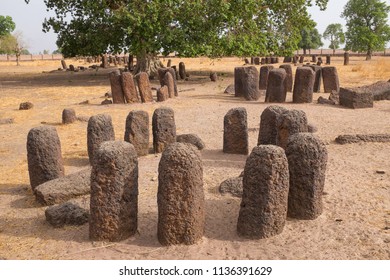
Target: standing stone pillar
<point>295,59</point>
<point>263,208</point>
<point>307,158</point>
<point>276,88</point>
<point>169,63</point>
<point>164,82</point>
<point>105,63</point>
<point>246,83</point>
<point>164,128</point>
<point>114,192</point>
<point>303,85</point>
<point>289,123</point>
<point>145,90</point>
<point>170,83</point>
<point>269,125</point>
<point>137,131</point>
<point>317,77</point>
<point>63,63</point>
<point>328,59</point>
<point>130,63</point>
<point>301,59</point>
<point>180,197</point>
<point>257,60</point>
<point>69,116</point>
<point>162,94</point>
<point>182,70</point>
<point>116,87</point>
<point>128,87</point>
<point>314,58</point>
<point>330,79</point>
<point>235,132</point>
<point>346,58</point>
<point>289,76</point>
<point>99,130</point>
<point>263,78</point>
<point>44,156</point>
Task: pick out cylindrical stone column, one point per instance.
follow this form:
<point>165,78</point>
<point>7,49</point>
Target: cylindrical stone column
<point>317,77</point>
<point>114,192</point>
<point>116,87</point>
<point>235,132</point>
<point>289,76</point>
<point>303,85</point>
<point>145,90</point>
<point>263,78</point>
<point>182,70</point>
<point>289,123</point>
<point>330,79</point>
<point>137,131</point>
<point>246,82</point>
<point>263,208</point>
<point>180,197</point>
<point>163,79</point>
<point>346,58</point>
<point>128,87</point>
<point>269,125</point>
<point>44,156</point>
<point>68,116</point>
<point>307,157</point>
<point>164,128</point>
<point>276,86</point>
<point>99,130</point>
<point>328,59</point>
<point>170,83</point>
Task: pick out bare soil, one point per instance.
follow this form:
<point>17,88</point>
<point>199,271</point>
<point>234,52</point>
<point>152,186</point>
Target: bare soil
<point>355,223</point>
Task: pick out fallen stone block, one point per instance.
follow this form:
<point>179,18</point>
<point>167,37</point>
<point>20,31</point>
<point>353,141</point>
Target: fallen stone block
<point>356,98</point>
<point>66,214</point>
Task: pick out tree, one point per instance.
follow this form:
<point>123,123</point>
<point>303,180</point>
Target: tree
<point>145,28</point>
<point>367,28</point>
<point>13,44</point>
<point>334,33</point>
<point>6,25</point>
<point>310,39</point>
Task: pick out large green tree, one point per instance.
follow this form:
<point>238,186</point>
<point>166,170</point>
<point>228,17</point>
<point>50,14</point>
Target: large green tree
<point>367,28</point>
<point>310,38</point>
<point>334,33</point>
<point>6,25</point>
<point>145,28</point>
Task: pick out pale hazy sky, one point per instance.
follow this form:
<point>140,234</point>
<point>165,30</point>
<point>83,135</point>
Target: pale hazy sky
<point>29,18</point>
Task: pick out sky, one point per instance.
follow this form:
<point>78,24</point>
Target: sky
<point>29,18</point>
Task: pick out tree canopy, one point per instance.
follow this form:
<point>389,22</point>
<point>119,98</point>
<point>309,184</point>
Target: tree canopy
<point>310,38</point>
<point>191,28</point>
<point>6,25</point>
<point>367,28</point>
<point>334,33</point>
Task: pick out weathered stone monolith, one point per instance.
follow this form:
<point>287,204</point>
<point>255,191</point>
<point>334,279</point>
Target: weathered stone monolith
<point>235,133</point>
<point>68,116</point>
<point>263,209</point>
<point>105,62</point>
<point>246,82</point>
<point>180,197</point>
<point>144,88</point>
<point>257,60</point>
<point>355,98</point>
<point>330,79</point>
<point>114,192</point>
<point>328,59</point>
<point>182,70</point>
<point>170,83</point>
<point>164,82</point>
<point>44,156</point>
<point>164,128</point>
<point>269,125</point>
<point>169,63</point>
<point>137,131</point>
<point>129,89</point>
<point>162,94</point>
<point>263,78</point>
<point>289,123</point>
<point>317,77</point>
<point>191,139</point>
<point>99,130</point>
<point>314,58</point>
<point>289,77</point>
<point>276,88</point>
<point>307,157</point>
<point>303,85</point>
<point>116,87</point>
<point>346,58</point>
<point>63,64</point>
<point>301,59</point>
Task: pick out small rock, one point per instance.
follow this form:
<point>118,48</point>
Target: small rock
<point>312,128</point>
<point>213,77</point>
<point>380,172</point>
<point>26,106</point>
<point>106,102</point>
<point>229,89</point>
<point>84,102</point>
<point>66,214</point>
<point>338,220</point>
<point>191,139</point>
<point>108,94</point>
<point>232,186</point>
<point>322,100</point>
<point>83,118</point>
<point>6,121</point>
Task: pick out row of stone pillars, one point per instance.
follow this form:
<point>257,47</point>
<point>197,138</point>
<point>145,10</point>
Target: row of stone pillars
<point>278,81</point>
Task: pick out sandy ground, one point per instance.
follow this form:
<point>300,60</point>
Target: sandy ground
<point>355,223</point>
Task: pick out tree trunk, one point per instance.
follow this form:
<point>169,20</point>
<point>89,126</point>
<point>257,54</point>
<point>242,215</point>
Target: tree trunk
<point>304,51</point>
<point>17,59</point>
<point>334,51</point>
<point>148,63</point>
<point>369,55</point>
